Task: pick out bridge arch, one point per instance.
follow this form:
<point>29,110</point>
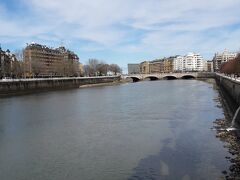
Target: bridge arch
<point>169,77</point>
<point>188,76</point>
<point>152,78</point>
<point>133,78</point>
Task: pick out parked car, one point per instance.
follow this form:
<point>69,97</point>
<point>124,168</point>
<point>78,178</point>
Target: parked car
<point>6,78</point>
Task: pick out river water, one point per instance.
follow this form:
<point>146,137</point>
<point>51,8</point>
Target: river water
<point>145,130</point>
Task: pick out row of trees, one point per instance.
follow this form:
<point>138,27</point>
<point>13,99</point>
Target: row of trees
<point>95,67</point>
<point>66,68</point>
<point>9,65</point>
<point>231,67</point>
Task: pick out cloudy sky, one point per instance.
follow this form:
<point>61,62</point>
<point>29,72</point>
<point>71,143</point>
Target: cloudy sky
<point>123,31</point>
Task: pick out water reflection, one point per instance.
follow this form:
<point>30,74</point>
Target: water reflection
<point>147,130</point>
<point>187,160</point>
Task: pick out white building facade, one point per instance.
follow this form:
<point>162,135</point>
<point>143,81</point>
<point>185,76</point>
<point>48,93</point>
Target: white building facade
<point>178,64</point>
<point>189,62</point>
<point>220,58</point>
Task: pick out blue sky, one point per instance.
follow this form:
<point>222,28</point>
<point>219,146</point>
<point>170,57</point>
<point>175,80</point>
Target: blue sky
<point>123,31</point>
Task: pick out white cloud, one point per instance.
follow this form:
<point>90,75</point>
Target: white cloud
<point>158,26</point>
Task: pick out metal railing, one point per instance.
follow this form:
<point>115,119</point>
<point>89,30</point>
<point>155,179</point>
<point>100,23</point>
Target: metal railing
<point>230,76</point>
<point>47,79</point>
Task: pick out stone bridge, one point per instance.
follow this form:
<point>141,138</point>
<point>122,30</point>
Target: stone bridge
<point>169,76</point>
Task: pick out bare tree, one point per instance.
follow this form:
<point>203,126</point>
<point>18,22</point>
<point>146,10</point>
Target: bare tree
<point>69,68</point>
<point>95,67</point>
<point>16,69</point>
<point>19,54</point>
<point>238,64</point>
<point>231,67</point>
<point>81,69</point>
<point>102,68</point>
<point>93,63</point>
<point>114,68</point>
<point>86,69</point>
<point>36,68</point>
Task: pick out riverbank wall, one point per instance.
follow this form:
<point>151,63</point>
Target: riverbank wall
<point>205,75</point>
<point>230,90</point>
<point>22,86</point>
<point>231,85</point>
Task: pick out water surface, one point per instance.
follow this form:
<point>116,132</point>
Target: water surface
<point>146,130</point>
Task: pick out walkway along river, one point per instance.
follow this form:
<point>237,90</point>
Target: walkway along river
<point>148,130</point>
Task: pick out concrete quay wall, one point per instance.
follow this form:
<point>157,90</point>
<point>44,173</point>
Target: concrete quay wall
<point>231,86</point>
<point>19,86</point>
<point>205,75</point>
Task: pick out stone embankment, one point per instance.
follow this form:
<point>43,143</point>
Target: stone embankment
<point>22,86</point>
<point>231,85</point>
<point>228,131</point>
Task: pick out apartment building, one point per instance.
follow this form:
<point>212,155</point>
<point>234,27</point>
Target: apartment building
<point>189,62</point>
<point>178,64</point>
<point>222,57</point>
<point>43,61</point>
<point>133,68</point>
<point>145,67</point>
<point>209,66</point>
<point>164,65</point>
<point>156,66</point>
<point>168,65</point>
